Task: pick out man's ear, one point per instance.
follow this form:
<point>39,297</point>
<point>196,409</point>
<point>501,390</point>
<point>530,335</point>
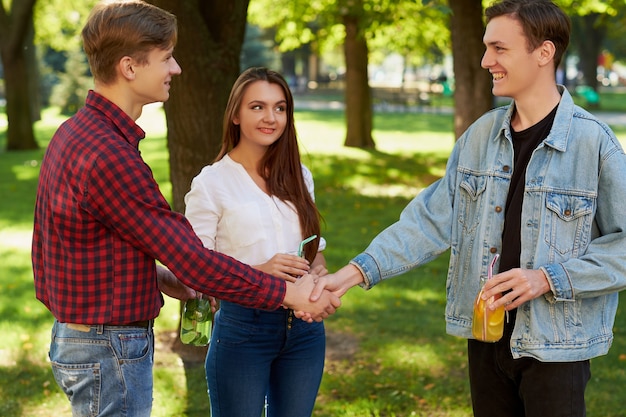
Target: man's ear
<point>546,52</point>
<point>125,68</point>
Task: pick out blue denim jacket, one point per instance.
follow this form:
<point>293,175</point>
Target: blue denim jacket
<point>573,228</point>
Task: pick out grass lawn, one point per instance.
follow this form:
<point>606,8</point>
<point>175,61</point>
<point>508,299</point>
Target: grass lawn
<point>388,354</point>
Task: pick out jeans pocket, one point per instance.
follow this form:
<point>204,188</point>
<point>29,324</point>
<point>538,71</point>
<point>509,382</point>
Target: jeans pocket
<point>134,346</point>
<point>81,384</point>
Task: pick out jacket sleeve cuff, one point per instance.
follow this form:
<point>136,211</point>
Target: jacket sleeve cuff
<point>560,283</point>
<point>369,269</point>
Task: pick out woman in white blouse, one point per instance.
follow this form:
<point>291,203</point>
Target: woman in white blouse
<point>256,204</point>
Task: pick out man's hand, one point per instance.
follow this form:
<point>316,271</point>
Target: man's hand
<point>171,286</point>
<point>524,285</point>
<point>297,298</point>
<point>338,283</point>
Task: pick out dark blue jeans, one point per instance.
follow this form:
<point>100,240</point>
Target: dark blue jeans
<point>254,354</point>
<point>505,387</point>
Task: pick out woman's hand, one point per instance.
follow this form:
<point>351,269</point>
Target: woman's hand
<point>319,270</point>
<point>285,266</point>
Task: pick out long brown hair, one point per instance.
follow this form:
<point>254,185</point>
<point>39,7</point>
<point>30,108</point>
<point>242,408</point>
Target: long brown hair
<point>280,167</point>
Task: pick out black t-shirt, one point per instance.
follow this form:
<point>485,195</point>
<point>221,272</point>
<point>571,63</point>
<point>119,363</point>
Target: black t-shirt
<point>524,143</point>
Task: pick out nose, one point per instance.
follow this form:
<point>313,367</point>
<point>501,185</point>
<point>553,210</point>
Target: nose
<point>175,68</point>
<point>268,115</point>
<point>486,61</point>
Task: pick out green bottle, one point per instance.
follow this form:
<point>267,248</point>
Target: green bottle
<point>195,323</point>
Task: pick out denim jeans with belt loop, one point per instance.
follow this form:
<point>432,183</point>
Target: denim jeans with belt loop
<point>104,370</point>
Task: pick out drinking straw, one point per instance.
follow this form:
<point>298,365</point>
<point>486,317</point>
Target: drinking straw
<point>489,275</point>
<point>304,242</point>
<point>493,262</point>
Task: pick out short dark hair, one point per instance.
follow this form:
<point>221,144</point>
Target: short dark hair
<point>121,28</point>
<point>541,20</point>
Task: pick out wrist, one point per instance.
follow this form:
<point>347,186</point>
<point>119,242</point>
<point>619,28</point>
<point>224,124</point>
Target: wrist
<point>289,298</point>
<point>350,276</point>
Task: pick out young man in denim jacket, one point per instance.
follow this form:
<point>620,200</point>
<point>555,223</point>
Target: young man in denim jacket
<point>542,183</point>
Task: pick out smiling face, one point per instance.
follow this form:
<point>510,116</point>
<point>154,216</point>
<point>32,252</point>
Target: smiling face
<point>262,115</point>
<point>152,79</point>
<point>507,57</point>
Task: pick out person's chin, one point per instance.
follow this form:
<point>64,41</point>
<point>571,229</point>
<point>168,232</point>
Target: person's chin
<point>498,90</point>
<point>162,98</point>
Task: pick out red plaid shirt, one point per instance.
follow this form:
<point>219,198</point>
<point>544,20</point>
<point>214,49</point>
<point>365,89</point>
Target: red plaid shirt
<point>101,221</point>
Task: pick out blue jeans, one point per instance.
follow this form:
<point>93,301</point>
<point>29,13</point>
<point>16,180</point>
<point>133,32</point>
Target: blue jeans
<point>104,370</point>
<point>254,354</point>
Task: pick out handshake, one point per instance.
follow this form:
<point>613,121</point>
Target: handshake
<point>299,297</point>
<point>313,297</point>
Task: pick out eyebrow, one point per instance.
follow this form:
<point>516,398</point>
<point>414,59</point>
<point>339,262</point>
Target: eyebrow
<point>494,43</point>
<point>265,103</point>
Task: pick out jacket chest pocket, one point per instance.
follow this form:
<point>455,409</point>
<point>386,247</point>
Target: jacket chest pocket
<point>471,202</point>
<point>568,223</point>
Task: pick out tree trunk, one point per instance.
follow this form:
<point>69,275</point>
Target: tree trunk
<point>32,69</point>
<point>590,43</point>
<point>14,49</point>
<point>472,93</point>
<point>358,94</point>
<point>210,37</point>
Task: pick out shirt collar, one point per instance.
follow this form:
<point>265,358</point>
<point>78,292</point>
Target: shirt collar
<point>125,124</point>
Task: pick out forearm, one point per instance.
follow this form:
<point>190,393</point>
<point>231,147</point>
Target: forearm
<point>171,286</point>
<point>318,267</point>
<point>344,279</point>
<point>319,260</point>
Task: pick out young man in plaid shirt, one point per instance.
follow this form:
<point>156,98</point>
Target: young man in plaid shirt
<point>101,222</point>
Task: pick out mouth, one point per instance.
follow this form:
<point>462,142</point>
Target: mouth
<point>266,130</point>
<point>497,76</point>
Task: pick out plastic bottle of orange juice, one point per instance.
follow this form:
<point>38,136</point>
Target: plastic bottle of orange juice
<point>487,325</point>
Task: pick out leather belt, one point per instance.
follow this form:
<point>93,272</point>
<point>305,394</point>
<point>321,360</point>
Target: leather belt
<point>144,324</point>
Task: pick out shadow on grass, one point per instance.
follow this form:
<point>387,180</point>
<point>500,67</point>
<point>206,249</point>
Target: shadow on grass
<point>413,169</point>
<point>30,382</point>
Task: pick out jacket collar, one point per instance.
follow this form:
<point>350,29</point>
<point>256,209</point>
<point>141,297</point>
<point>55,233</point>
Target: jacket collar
<point>560,132</point>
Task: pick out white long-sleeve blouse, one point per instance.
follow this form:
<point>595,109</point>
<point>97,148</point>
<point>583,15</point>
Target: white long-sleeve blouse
<point>232,215</point>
